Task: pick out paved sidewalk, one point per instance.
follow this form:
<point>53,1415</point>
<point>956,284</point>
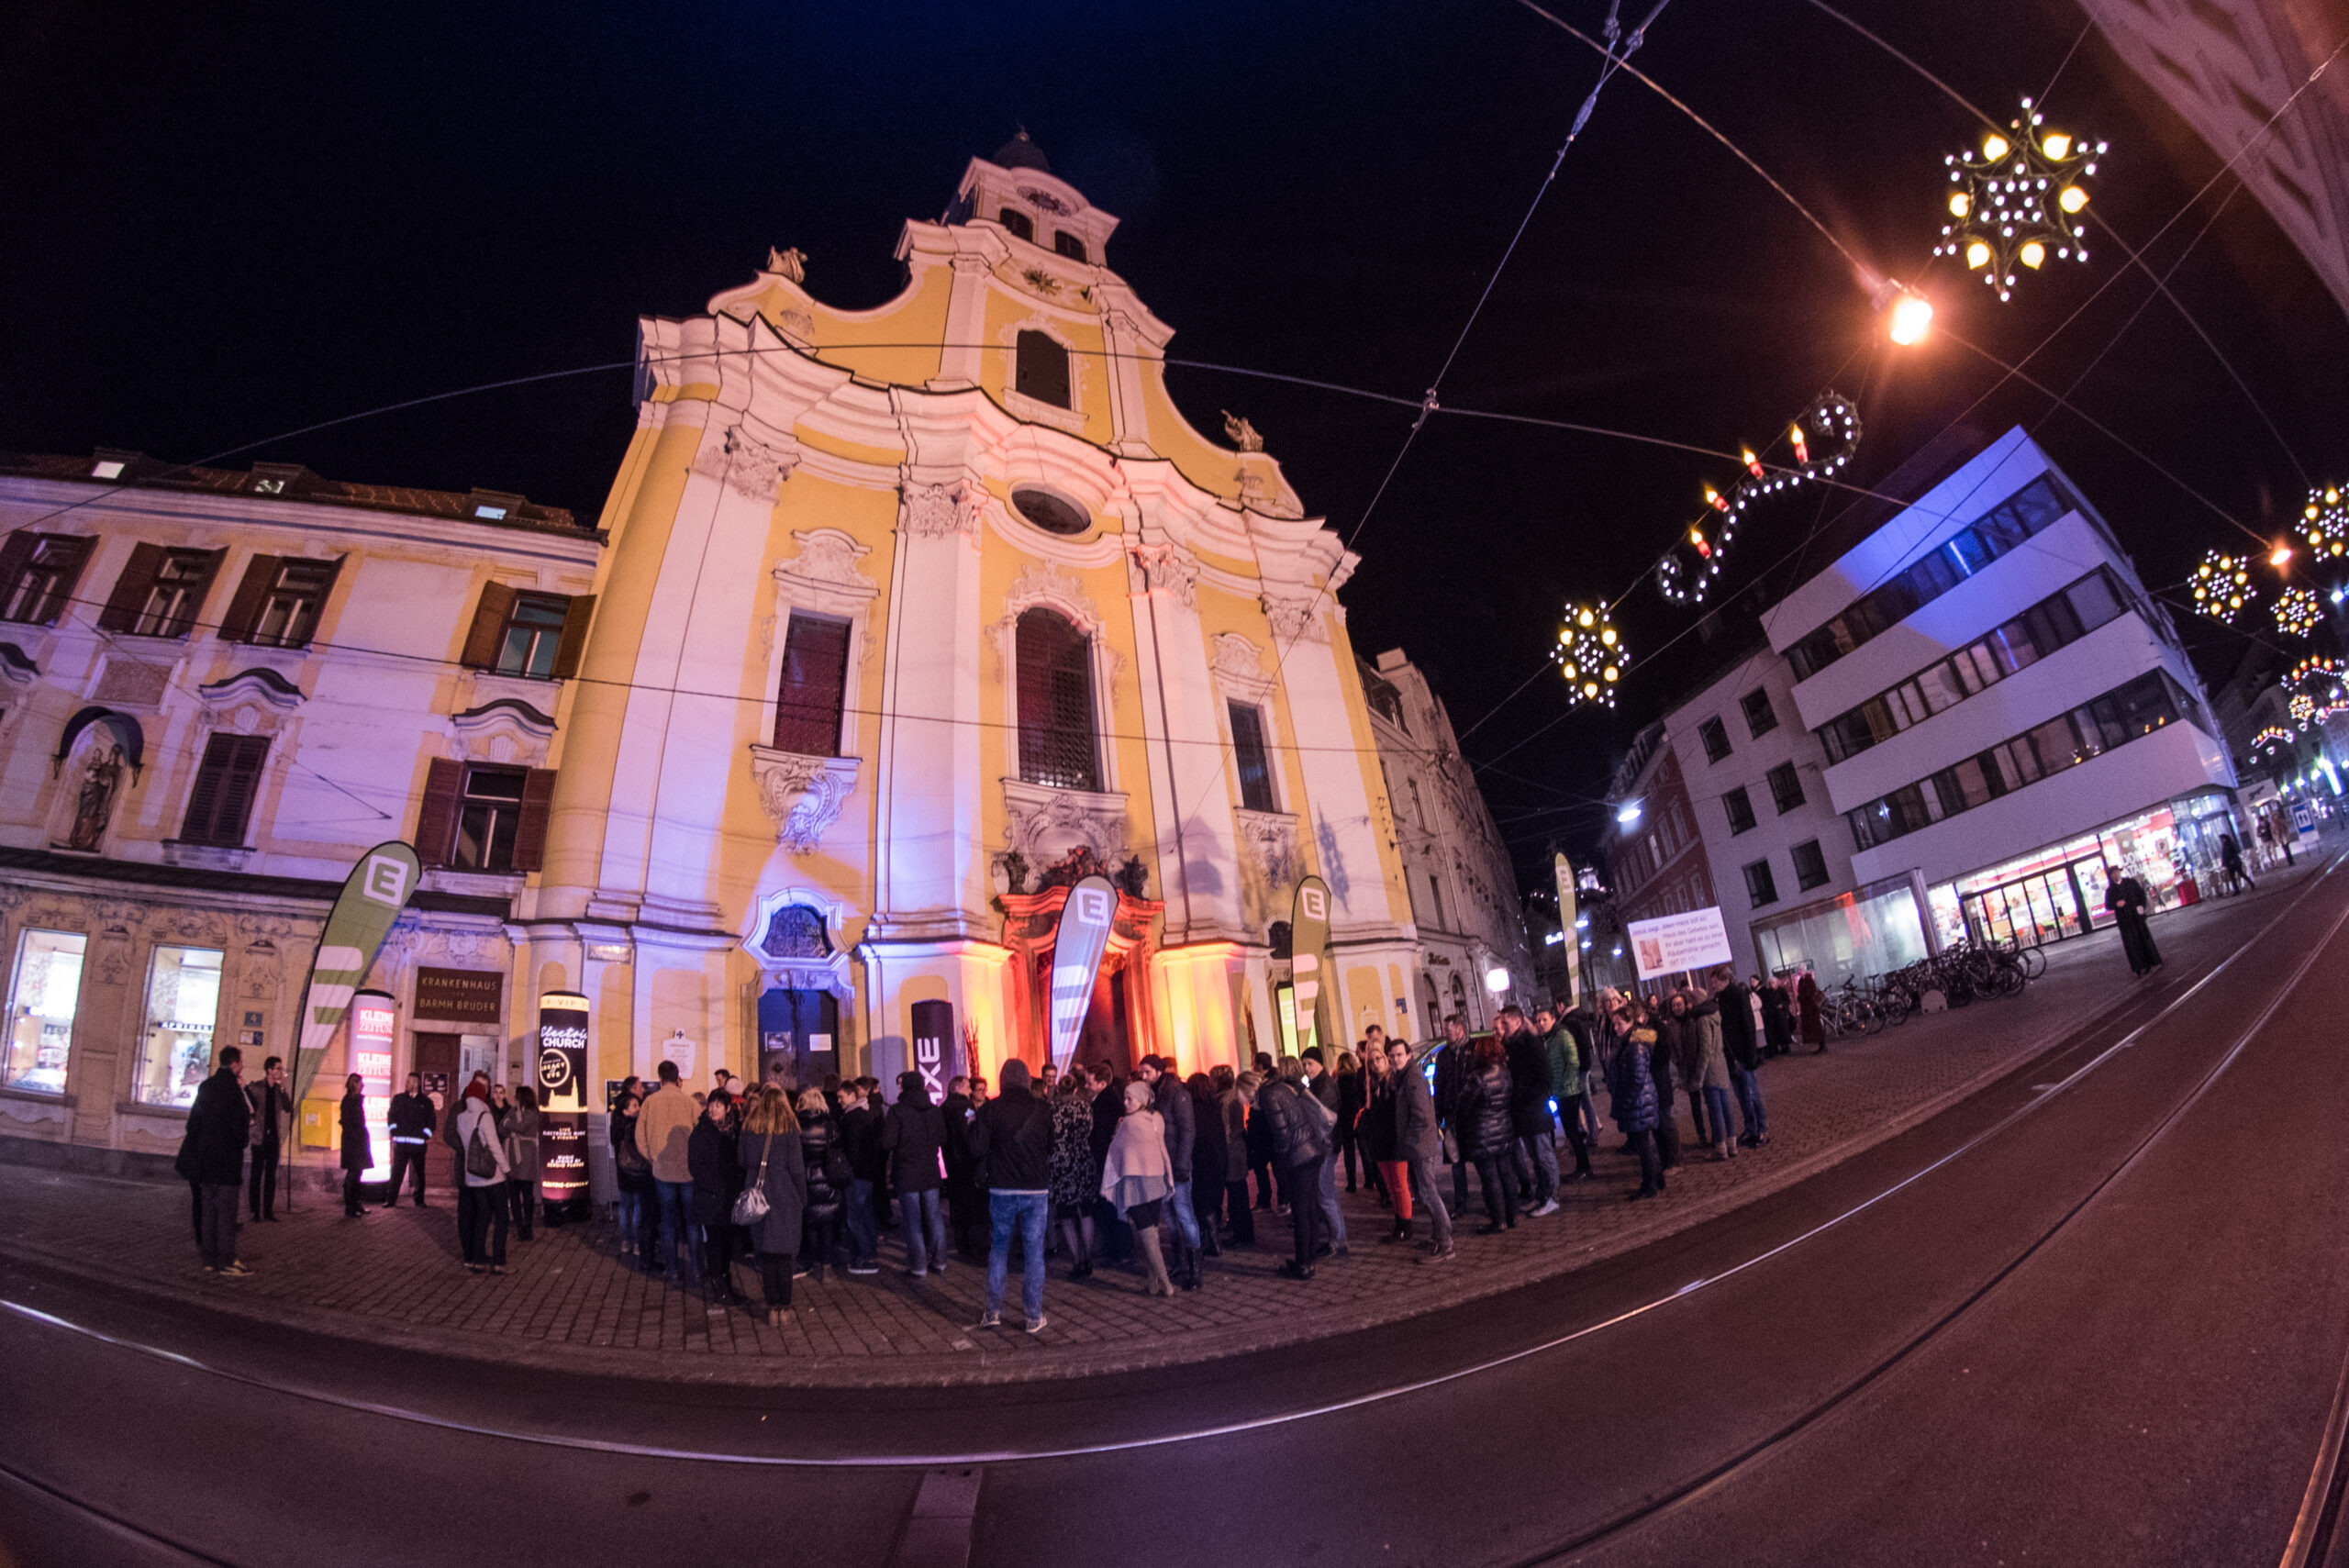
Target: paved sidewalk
<point>568,1304</point>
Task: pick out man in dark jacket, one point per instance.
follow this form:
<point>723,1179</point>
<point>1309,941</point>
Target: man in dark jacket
<point>716,1164</point>
<point>411,1126</point>
<point>1322,1085</point>
<point>272,1132</point>
<point>1108,1105</point>
<point>913,1135</point>
<point>1743,1052</point>
<point>212,1156</point>
<point>1417,1145</point>
<point>1172,1104</point>
<point>966,1213</point>
<point>1452,1072</point>
<point>1529,1110</point>
<point>860,1136</point>
<point>1298,1148</point>
<point>1013,1134</point>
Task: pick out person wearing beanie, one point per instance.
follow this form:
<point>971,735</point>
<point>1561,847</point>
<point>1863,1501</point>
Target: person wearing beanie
<point>1012,1133</point>
<point>913,1137</point>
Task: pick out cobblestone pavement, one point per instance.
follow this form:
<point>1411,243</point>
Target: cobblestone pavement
<point>568,1302</point>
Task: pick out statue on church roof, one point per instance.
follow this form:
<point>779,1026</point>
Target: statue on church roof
<point>791,263</point>
<point>1241,433</point>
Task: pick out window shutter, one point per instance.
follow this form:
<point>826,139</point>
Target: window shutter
<point>244,610</point>
<point>531,834</point>
<point>74,555</point>
<point>326,593</point>
<point>489,625</point>
<point>203,800</point>
<point>130,589</point>
<point>574,646</point>
<point>226,783</point>
<point>14,551</point>
<point>435,820</point>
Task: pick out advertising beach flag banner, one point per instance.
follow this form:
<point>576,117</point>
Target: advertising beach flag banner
<point>1308,955</point>
<point>1565,873</point>
<point>1671,944</point>
<point>1077,947</point>
<point>372,896</point>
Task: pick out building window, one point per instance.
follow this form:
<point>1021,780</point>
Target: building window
<point>1435,891</point>
<point>44,994</point>
<point>531,636</point>
<point>160,592</point>
<point>36,575</point>
<point>1786,787</point>
<point>488,812</point>
<point>1760,716</point>
<point>480,818</point>
<point>1055,695</point>
<point>1041,369</point>
<point>1048,512</point>
<point>1810,865</point>
<point>1761,888</point>
<point>1248,752</point>
<point>182,1006</point>
<point>1740,806</point>
<point>1715,734</point>
<point>1068,245</point>
<point>226,782</point>
<point>814,687</point>
<point>278,602</point>
<point>1018,222</point>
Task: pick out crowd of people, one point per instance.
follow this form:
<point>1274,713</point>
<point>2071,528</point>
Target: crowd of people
<point>1159,1171</point>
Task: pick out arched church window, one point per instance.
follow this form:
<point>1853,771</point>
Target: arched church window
<point>1055,689</point>
<point>1017,222</point>
<point>1042,369</point>
<point>1069,245</point>
<point>795,930</point>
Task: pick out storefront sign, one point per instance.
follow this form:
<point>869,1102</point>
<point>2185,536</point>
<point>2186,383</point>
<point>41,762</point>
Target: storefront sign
<point>1672,944</point>
<point>375,1022</point>
<point>1077,947</point>
<point>934,1046</point>
<point>562,1051</point>
<point>372,896</point>
<point>459,995</point>
<point>1309,954</point>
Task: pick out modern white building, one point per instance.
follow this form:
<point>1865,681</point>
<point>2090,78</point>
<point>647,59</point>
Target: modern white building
<point>2003,713</point>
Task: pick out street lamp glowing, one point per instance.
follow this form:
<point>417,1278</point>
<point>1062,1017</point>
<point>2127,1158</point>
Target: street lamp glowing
<point>1913,314</point>
<point>2280,557</point>
<point>1626,813</point>
<point>1496,981</point>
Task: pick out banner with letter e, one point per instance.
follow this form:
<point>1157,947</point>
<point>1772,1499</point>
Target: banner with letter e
<point>372,896</point>
<point>1308,957</point>
<point>1077,947</point>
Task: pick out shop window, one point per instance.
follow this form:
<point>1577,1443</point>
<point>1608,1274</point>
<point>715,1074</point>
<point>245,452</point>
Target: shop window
<point>1810,865</point>
<point>1017,222</point>
<point>1760,716</point>
<point>814,686</point>
<point>476,817</point>
<point>44,994</point>
<point>278,602</point>
<point>1055,696</point>
<point>37,573</point>
<point>1041,369</point>
<point>182,1006</point>
<point>160,592</point>
<point>1248,752</point>
<point>1761,888</point>
<point>226,782</point>
<point>1715,734</point>
<point>1786,787</point>
<point>1068,245</point>
<point>1740,807</point>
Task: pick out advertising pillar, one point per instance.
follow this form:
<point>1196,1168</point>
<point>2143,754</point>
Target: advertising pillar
<point>562,1100</point>
<point>375,1022</point>
<point>937,1051</point>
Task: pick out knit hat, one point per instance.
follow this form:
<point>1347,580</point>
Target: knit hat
<point>477,1090</point>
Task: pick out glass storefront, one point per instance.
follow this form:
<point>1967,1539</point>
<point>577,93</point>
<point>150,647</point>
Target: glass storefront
<point>43,995</point>
<point>182,1006</point>
<point>2058,892</point>
<point>1873,931</point>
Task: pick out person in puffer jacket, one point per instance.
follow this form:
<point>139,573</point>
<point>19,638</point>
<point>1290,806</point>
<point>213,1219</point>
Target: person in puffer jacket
<point>1487,1136</point>
<point>1298,1148</point>
<point>1631,1088</point>
<point>826,1181</point>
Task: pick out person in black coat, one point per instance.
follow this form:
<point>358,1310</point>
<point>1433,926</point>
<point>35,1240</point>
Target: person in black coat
<point>211,1156</point>
<point>411,1122</point>
<point>771,1161</point>
<point>1108,1107</point>
<point>966,1213</point>
<point>1742,1050</point>
<point>914,1135</point>
<point>1012,1135</point>
<point>357,1153</point>
<point>1298,1148</point>
<point>859,1134</point>
<point>717,1165</point>
<point>1528,1057</point>
<point>1171,1101</point>
<point>1353,1090</point>
<point>1210,1156</point>
<point>826,1180</point>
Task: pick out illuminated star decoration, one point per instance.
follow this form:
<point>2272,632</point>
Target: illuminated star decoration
<point>2324,522</point>
<point>1821,441</point>
<point>2270,742</point>
<point>2018,198</point>
<point>1590,654</point>
<point>2315,683</point>
<point>2302,707</point>
<point>2222,585</point>
<point>2298,610</point>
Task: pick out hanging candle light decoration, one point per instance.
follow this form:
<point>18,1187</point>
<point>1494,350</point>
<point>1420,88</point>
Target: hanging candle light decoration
<point>2298,611</point>
<point>2269,743</point>
<point>2017,199</point>
<point>2222,585</point>
<point>1591,655</point>
<point>1821,442</point>
<point>2324,522</point>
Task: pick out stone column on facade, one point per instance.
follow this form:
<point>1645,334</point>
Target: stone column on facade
<point>960,360</point>
<point>1198,848</point>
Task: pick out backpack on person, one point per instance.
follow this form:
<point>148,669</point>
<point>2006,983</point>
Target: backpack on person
<point>481,1158</point>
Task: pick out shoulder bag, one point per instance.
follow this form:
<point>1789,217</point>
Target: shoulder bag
<point>751,1206</point>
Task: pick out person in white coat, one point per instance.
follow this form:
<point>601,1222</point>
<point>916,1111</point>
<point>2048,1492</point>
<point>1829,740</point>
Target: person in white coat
<point>483,1166</point>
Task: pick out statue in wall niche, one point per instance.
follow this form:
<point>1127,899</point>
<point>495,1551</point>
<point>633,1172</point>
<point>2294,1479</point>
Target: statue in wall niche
<point>100,781</point>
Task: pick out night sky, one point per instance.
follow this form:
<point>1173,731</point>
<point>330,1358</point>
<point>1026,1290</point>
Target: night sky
<point>226,223</point>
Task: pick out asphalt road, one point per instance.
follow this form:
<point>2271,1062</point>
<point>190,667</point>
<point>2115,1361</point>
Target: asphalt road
<point>2094,1314</point>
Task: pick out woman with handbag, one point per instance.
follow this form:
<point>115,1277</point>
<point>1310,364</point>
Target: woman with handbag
<point>828,1178</point>
<point>717,1169</point>
<point>485,1172</point>
<point>774,1200</point>
<point>632,1173</point>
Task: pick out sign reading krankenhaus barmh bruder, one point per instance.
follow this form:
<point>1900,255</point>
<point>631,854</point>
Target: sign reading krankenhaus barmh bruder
<point>459,995</point>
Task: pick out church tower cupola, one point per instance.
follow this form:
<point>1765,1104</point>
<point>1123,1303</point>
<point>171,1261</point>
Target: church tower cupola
<point>1018,193</point>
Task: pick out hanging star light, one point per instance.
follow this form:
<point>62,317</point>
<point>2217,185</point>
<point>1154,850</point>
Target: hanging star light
<point>2324,522</point>
<point>2302,707</point>
<point>2019,199</point>
<point>1821,441</point>
<point>1590,654</point>
<point>2298,611</point>
<point>2222,585</point>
